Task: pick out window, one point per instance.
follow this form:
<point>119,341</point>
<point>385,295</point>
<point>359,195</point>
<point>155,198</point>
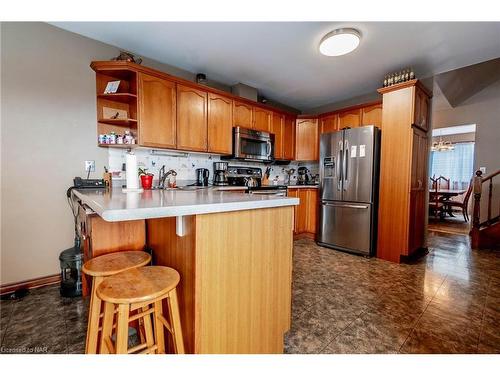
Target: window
<point>457,164</point>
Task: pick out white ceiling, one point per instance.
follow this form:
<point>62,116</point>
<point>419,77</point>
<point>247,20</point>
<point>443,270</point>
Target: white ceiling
<point>282,61</point>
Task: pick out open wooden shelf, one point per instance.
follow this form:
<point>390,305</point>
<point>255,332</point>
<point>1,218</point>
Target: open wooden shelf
<point>122,97</point>
<point>118,122</point>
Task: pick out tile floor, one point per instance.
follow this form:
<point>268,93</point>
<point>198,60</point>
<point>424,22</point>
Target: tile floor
<point>447,302</point>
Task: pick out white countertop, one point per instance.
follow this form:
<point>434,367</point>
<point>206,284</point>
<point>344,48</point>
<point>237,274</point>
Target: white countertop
<point>114,205</point>
<point>303,186</point>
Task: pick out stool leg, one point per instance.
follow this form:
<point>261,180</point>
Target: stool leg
<point>122,329</point>
<point>148,328</point>
<point>93,323</point>
<point>159,336</point>
<point>175,321</point>
<point>107,327</point>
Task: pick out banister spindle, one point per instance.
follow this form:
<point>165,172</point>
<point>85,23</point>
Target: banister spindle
<point>477,211</point>
<point>490,193</point>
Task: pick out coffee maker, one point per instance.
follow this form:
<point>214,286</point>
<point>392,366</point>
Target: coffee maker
<point>303,177</point>
<point>202,176</point>
<point>220,173</point>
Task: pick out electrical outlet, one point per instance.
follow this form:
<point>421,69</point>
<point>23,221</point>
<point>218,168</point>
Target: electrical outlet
<point>90,165</point>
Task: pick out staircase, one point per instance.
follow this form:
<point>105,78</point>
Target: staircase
<point>485,234</point>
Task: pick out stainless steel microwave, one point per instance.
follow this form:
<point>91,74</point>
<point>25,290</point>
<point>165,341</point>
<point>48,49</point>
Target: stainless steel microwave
<point>251,144</point>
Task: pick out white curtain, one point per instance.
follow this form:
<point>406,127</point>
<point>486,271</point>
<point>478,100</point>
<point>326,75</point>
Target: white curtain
<point>457,164</point>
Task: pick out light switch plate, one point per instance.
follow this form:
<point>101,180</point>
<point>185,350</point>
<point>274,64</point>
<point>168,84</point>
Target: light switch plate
<point>482,169</point>
<point>90,165</point>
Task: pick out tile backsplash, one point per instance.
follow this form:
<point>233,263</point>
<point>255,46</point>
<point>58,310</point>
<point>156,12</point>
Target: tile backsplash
<point>185,164</point>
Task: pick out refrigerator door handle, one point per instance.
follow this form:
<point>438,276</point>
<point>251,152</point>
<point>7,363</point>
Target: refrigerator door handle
<point>357,206</point>
<point>345,164</point>
<point>338,166</point>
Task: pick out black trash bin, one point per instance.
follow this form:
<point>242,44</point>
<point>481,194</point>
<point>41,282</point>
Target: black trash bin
<point>71,272</point>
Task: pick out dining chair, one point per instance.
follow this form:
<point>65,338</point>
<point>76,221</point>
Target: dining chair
<point>443,182</point>
<point>435,204</point>
<point>463,204</point>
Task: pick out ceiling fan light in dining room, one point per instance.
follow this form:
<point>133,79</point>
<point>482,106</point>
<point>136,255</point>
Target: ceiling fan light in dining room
<point>339,42</point>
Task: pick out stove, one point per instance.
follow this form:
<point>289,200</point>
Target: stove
<point>251,177</point>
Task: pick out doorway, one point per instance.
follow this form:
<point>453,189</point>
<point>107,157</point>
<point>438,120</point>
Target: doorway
<point>451,168</point>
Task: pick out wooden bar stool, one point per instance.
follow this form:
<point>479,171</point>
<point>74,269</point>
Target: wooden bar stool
<point>100,268</point>
<point>142,289</point>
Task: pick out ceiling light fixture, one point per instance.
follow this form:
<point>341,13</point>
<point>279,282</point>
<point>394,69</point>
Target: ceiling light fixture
<point>339,42</point>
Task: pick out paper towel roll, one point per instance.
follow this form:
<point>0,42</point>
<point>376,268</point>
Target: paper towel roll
<point>132,177</point>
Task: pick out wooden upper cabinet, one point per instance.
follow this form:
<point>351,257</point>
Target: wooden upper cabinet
<point>306,140</point>
<point>242,115</point>
<point>220,124</point>
<point>330,123</point>
<point>421,109</point>
<point>372,115</point>
<point>157,112</point>
<point>289,138</point>
<point>277,128</point>
<point>262,119</point>
<point>191,119</point>
<point>351,119</point>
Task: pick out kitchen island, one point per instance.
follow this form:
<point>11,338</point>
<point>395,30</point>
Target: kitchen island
<point>234,253</point>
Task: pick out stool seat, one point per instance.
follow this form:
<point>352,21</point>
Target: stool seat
<point>138,285</point>
<point>111,264</point>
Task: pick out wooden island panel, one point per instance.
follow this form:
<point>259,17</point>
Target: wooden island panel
<point>236,274</point>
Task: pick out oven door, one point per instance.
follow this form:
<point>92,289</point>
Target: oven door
<point>253,145</point>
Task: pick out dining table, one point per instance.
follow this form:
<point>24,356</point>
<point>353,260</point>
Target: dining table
<point>445,195</point>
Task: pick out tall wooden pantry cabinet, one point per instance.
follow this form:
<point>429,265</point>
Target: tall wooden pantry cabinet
<point>403,170</point>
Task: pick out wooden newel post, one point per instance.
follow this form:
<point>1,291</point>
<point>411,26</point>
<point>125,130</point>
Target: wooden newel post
<point>477,209</point>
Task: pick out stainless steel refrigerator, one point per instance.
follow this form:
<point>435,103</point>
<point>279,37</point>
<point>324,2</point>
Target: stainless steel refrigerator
<point>349,166</point>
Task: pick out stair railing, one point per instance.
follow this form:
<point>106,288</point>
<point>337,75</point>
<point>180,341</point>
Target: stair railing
<point>478,182</point>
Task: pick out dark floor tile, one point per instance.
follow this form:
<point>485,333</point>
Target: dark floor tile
<point>314,328</point>
<point>425,342</point>
<point>440,330</point>
<point>6,308</point>
<point>369,336</point>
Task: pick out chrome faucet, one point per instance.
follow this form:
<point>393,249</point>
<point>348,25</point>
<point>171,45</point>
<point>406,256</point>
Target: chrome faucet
<point>163,176</point>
